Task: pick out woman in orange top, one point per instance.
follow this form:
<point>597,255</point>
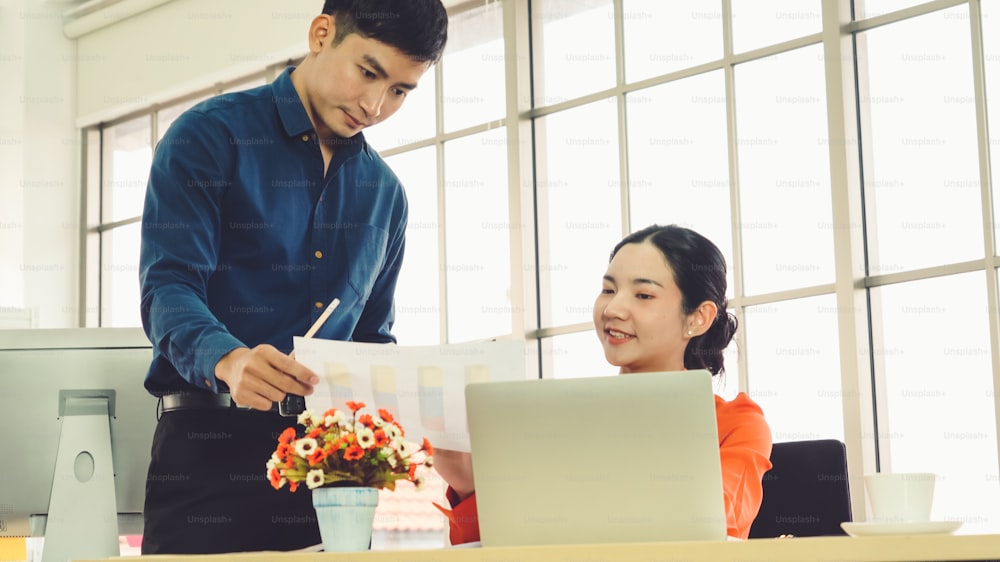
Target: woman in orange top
<point>662,308</point>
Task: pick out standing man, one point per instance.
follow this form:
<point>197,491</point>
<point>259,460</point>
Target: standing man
<point>262,207</point>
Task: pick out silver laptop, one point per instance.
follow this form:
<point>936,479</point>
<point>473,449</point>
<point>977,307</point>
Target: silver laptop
<point>625,458</point>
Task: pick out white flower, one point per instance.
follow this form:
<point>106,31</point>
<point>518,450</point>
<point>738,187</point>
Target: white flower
<point>366,437</point>
<point>429,462</point>
<point>418,482</point>
<point>391,431</point>
<point>305,446</point>
<point>377,421</point>
<point>314,478</point>
<point>406,448</point>
<point>306,418</point>
<point>336,418</point>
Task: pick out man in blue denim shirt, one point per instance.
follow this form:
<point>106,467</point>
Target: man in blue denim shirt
<point>262,207</point>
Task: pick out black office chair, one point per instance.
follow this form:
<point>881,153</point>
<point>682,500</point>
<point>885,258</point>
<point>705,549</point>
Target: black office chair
<point>806,492</point>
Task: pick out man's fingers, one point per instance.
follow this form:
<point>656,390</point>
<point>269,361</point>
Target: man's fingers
<point>247,398</point>
<point>267,375</point>
<point>256,393</point>
<point>257,402</point>
<point>293,369</point>
<point>280,371</point>
<point>294,386</point>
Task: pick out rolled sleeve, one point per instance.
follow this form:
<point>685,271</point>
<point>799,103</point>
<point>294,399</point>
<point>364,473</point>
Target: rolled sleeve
<point>745,452</point>
<point>179,251</point>
<point>463,518</point>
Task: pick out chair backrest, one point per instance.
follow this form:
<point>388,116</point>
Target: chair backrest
<point>806,492</point>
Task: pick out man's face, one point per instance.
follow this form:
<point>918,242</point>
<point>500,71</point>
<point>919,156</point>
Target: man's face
<point>357,83</point>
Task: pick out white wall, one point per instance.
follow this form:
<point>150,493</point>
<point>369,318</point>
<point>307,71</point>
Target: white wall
<point>39,165</point>
<point>11,156</point>
<point>179,46</point>
<point>184,45</point>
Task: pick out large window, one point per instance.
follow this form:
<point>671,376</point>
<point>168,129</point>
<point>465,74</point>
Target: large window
<point>844,175</point>
<point>852,258</point>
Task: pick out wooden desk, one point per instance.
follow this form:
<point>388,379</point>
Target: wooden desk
<point>827,549</point>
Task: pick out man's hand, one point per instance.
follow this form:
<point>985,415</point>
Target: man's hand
<point>455,468</point>
<point>263,375</point>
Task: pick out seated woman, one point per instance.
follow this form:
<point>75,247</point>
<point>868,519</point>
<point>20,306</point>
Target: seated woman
<point>662,308</point>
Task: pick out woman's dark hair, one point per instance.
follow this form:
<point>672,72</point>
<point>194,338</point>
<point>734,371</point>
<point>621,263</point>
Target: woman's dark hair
<point>418,28</point>
<point>700,273</point>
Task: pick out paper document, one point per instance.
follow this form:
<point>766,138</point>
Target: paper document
<point>423,387</point>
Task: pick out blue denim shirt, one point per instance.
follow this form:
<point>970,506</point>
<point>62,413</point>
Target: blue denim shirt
<point>245,240</point>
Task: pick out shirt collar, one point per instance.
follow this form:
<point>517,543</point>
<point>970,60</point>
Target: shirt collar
<point>293,114</point>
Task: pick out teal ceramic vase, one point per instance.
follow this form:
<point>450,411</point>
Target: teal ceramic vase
<point>345,517</point>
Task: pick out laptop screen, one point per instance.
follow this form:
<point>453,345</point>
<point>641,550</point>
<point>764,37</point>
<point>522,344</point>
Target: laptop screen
<point>625,458</point>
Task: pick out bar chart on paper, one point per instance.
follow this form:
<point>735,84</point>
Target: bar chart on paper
<point>337,377</point>
<point>430,397</point>
<point>421,386</point>
<point>384,389</point>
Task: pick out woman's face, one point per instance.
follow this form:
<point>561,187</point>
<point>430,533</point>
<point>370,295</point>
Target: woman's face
<point>638,314</point>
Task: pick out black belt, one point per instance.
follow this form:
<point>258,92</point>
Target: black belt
<point>200,401</point>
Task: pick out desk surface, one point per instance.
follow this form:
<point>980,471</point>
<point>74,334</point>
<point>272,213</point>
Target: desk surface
<point>872,549</point>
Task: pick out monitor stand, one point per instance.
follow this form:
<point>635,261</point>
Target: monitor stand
<point>82,522</point>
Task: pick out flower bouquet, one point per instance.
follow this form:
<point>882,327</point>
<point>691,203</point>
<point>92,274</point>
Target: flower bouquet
<point>337,450</point>
<point>345,459</point>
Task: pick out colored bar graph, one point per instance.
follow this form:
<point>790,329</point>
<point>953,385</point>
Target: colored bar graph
<point>384,389</point>
<point>430,397</point>
<point>339,378</point>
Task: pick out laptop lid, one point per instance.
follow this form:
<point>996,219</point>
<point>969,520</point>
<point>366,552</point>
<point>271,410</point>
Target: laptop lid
<point>625,458</point>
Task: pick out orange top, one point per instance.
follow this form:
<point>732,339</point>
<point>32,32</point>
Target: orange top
<point>745,449</point>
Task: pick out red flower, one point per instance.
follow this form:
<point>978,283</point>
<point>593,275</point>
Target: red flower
<point>353,453</point>
<point>287,435</point>
<point>355,406</point>
<point>385,415</point>
<point>413,471</point>
<point>428,448</point>
<point>315,433</point>
<point>366,420</point>
<point>283,450</point>
<point>316,457</point>
<point>381,439</point>
<point>275,477</point>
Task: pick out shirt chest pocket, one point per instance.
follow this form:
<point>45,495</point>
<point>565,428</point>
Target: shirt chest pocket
<point>366,248</point>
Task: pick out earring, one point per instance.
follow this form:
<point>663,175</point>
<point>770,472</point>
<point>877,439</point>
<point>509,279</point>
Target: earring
<point>690,333</point>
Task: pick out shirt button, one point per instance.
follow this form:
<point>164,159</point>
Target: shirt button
<point>318,254</point>
<point>305,138</point>
<point>208,383</point>
<point>318,304</point>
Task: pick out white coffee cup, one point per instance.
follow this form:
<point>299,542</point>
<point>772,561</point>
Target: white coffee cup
<point>901,497</point>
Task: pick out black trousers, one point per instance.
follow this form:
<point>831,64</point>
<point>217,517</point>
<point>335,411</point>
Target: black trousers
<point>207,490</point>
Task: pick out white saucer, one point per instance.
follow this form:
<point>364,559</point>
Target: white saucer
<point>874,528</point>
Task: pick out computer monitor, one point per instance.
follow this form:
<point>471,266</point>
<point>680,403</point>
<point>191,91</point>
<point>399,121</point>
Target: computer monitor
<point>76,426</point>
